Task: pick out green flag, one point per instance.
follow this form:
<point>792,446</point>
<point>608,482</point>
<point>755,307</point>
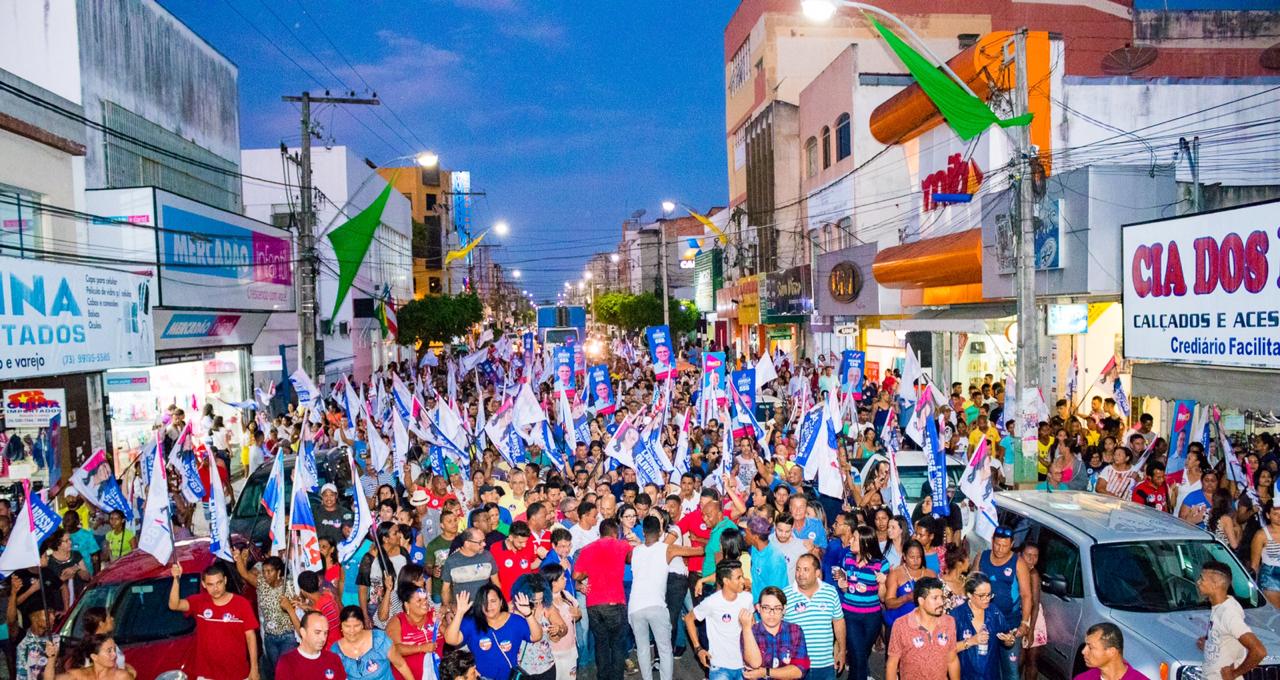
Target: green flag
<point>351,243</point>
<point>967,115</point>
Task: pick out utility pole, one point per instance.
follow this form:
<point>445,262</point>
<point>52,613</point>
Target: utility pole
<point>662,259</point>
<point>307,261</point>
<point>1192,151</point>
<point>1028,368</point>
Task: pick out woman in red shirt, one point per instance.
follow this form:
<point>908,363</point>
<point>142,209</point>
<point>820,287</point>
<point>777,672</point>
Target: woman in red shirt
<point>413,631</point>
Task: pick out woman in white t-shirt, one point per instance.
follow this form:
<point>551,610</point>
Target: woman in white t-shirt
<point>1119,478</point>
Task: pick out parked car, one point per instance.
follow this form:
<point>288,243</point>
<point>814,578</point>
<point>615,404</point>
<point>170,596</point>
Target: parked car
<point>1104,559</point>
<point>248,517</point>
<point>135,591</point>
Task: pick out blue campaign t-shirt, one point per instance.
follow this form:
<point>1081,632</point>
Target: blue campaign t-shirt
<point>1011,446</point>
<point>497,651</point>
<point>1197,499</point>
<point>812,531</point>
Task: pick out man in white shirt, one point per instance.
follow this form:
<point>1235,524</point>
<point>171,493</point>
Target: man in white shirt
<point>647,607</point>
<point>790,546</point>
<point>1231,648</point>
<point>587,529</point>
<point>729,614</point>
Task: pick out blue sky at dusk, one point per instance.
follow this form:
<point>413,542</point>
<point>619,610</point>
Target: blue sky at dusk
<point>569,115</point>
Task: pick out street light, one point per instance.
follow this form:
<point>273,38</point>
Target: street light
<point>818,10</point>
<point>515,273</point>
<point>428,159</point>
<point>501,228</point>
<point>587,275</point>
<point>668,207</point>
<point>613,257</point>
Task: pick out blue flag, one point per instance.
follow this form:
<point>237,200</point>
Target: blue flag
<point>937,469</point>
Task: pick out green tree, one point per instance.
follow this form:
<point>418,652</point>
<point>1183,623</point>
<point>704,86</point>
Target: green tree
<point>635,312</point>
<point>438,318</point>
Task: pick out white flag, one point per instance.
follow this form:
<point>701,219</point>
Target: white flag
<point>566,422</point>
<point>400,438</point>
<point>977,487</point>
<point>23,550</point>
<point>363,519</point>
<point>527,409</point>
<point>219,527</point>
<point>765,372</point>
<point>156,536</point>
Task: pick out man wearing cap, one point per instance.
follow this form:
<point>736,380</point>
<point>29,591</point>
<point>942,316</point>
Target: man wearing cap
<point>332,521</point>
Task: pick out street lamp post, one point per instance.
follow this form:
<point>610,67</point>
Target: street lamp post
<point>667,208</point>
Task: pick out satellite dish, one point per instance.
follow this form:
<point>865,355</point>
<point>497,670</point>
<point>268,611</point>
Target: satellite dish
<point>638,214</point>
<point>1270,58</point>
<point>1128,60</point>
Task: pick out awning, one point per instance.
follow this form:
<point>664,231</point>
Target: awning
<point>1237,388</point>
<point>950,260</point>
<point>959,319</point>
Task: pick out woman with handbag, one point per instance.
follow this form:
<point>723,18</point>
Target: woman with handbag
<point>494,634</point>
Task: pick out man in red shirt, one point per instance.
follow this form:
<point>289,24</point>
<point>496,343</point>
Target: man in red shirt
<point>699,533</point>
<point>311,659</point>
<point>539,520</point>
<point>515,556</point>
<point>226,644</point>
<point>603,561</point>
<point>1153,492</point>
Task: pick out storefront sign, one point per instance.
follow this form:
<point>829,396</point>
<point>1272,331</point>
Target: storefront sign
<point>1048,234</point>
<point>1068,319</point>
<point>61,318</point>
<point>780,333</point>
<point>749,300</point>
<point>268,363</point>
<point>186,330</point>
<point>959,177</point>
<point>33,407</point>
<point>128,381</point>
<point>846,329</point>
<point>844,282</point>
<point>208,258</point>
<point>787,293</point>
<point>1203,288</point>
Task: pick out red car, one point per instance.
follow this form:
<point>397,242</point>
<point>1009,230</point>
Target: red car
<point>135,590</point>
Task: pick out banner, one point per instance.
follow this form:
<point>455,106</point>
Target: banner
<point>1202,288</point>
<point>62,318</point>
<point>714,370</point>
<point>661,352</point>
<point>1179,438</point>
<point>600,390</point>
<point>745,382</point>
<point>937,459</point>
<point>564,373</point>
<point>33,408</point>
<point>97,484</point>
<point>852,369</point>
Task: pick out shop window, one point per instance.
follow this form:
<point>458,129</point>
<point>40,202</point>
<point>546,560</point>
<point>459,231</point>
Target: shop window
<point>844,142</point>
<point>20,223</point>
<point>826,147</point>
<point>811,157</point>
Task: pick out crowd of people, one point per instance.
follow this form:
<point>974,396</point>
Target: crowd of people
<point>537,555</point>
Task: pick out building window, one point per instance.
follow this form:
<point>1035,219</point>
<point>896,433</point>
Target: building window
<point>826,147</point>
<point>967,40</point>
<point>740,67</point>
<point>811,157</point>
<point>844,144</point>
<point>21,229</point>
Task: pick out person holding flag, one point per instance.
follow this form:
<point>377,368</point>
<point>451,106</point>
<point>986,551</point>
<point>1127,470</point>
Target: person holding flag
<point>226,637</point>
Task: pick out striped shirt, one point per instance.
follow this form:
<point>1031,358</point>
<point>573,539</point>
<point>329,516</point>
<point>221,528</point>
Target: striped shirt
<point>815,615</point>
<point>863,593</point>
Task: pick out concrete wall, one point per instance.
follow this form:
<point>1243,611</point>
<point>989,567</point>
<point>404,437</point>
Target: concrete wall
<point>39,43</point>
<point>137,56</point>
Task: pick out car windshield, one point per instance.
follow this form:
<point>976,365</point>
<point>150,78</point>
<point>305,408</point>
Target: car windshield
<point>1160,576</point>
<point>913,478</point>
<point>249,504</point>
<point>140,609</point>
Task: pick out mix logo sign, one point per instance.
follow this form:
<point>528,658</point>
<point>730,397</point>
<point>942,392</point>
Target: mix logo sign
<point>32,407</point>
<point>198,244</point>
<point>185,326</point>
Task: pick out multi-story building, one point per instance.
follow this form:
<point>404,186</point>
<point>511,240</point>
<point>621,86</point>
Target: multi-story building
<point>1112,89</point>
<point>350,333</point>
<point>428,191</point>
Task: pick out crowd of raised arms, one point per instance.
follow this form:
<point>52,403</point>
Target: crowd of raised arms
<point>497,523</point>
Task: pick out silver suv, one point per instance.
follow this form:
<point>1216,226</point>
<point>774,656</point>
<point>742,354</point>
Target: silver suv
<point>1104,559</point>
